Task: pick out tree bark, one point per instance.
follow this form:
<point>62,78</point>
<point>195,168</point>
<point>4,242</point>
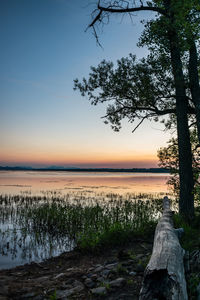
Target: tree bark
<point>186,201</point>
<point>194,82</point>
<point>164,276</point>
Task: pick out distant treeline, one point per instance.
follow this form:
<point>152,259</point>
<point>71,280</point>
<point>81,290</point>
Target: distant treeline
<point>133,170</point>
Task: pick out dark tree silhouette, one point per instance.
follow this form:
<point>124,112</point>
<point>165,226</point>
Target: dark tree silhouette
<point>175,27</point>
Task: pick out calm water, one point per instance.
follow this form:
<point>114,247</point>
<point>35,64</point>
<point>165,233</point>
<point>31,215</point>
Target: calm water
<point>16,246</point>
<point>14,182</point>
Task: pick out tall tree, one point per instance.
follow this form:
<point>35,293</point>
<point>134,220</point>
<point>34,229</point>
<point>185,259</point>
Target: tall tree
<point>134,89</point>
<point>171,14</point>
<point>194,82</point>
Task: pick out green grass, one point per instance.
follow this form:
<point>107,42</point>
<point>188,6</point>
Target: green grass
<point>92,227</point>
<point>91,223</point>
<point>191,237</point>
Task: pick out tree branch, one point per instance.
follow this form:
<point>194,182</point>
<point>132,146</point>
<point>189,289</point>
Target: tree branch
<point>133,9</point>
<point>110,9</point>
<point>145,117</point>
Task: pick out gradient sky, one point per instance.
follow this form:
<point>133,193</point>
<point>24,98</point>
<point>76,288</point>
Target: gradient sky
<point>44,47</point>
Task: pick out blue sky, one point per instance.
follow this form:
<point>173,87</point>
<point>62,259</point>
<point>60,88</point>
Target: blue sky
<point>44,47</point>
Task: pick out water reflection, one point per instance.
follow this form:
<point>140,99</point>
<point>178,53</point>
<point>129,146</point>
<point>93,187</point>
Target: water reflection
<point>13,182</point>
<point>22,192</point>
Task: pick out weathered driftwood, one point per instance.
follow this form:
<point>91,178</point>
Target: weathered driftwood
<point>164,276</point>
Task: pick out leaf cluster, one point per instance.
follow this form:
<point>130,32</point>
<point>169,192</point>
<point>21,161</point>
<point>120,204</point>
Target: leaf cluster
<point>141,89</point>
<point>169,159</point>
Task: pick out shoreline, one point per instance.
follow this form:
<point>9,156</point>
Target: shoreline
<point>96,170</point>
<point>115,273</point>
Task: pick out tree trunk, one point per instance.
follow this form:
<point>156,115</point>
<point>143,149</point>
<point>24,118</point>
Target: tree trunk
<point>194,82</point>
<point>164,276</point>
<point>186,201</point>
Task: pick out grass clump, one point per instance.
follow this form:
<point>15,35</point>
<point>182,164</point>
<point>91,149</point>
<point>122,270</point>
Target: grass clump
<point>102,224</point>
<point>90,223</point>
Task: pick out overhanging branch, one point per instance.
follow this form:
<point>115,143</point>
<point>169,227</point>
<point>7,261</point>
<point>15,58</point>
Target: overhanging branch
<point>132,9</point>
<point>110,9</point>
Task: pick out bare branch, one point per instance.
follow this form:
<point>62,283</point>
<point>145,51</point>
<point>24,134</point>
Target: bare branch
<point>132,9</point>
<point>97,18</point>
<point>118,9</point>
<point>144,118</point>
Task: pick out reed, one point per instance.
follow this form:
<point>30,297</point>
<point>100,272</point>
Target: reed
<point>88,221</point>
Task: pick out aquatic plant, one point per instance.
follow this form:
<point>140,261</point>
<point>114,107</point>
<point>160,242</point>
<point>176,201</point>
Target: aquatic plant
<point>79,218</point>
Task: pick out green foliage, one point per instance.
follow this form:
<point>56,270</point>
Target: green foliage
<point>192,284</point>
<point>189,240</point>
<point>53,296</point>
<point>130,282</point>
<point>105,284</point>
<point>168,158</point>
<point>181,17</point>
<point>120,269</point>
<point>132,89</point>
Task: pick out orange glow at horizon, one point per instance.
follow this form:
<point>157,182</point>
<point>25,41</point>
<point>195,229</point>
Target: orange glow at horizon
<point>84,159</point>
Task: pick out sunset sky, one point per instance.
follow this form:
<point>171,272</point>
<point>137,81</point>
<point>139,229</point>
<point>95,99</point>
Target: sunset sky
<point>44,122</point>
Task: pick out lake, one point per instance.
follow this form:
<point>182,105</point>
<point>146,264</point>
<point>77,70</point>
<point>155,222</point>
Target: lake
<point>13,182</point>
<point>22,191</point>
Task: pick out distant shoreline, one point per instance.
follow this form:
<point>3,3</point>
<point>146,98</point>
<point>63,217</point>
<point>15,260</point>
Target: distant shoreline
<point>133,170</point>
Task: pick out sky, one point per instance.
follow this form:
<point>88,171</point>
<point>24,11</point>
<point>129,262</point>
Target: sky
<point>43,121</point>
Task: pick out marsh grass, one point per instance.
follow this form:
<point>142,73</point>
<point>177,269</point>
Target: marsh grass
<point>88,221</point>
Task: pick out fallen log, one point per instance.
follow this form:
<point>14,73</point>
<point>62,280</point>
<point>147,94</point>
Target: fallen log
<point>164,276</point>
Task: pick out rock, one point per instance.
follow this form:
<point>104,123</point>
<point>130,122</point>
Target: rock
<point>70,281</point>
<point>89,283</point>
<point>77,288</point>
<point>139,256</point>
<point>105,273</point>
<point>59,275</point>
<point>112,274</point>
<point>111,266</point>
<point>98,269</point>
<point>100,291</point>
<point>132,273</point>
<point>90,269</point>
<point>65,286</point>
<point>100,279</point>
<point>74,269</point>
<point>28,296</point>
<point>94,277</point>
<point>78,284</point>
<point>62,294</point>
<point>98,265</point>
<point>111,261</point>
<point>41,279</point>
<point>127,263</point>
<point>117,282</point>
